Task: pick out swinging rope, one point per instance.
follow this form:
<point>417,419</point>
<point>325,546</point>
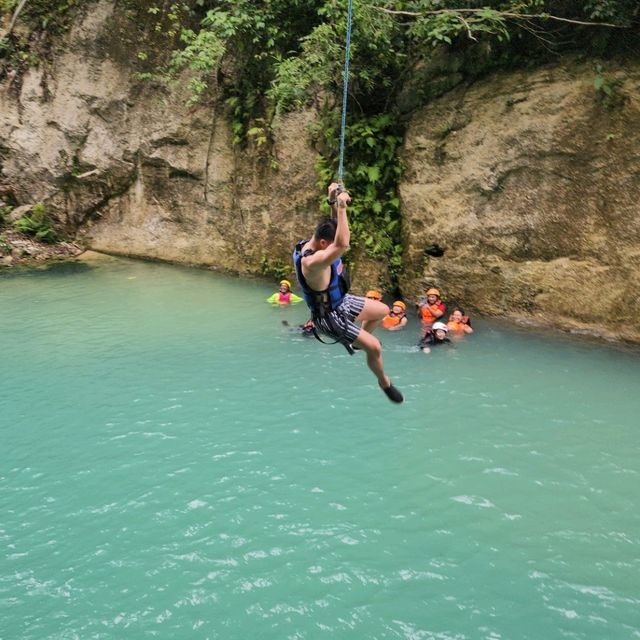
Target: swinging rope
<point>345,90</point>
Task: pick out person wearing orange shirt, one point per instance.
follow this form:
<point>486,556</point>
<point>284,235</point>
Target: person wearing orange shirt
<point>397,319</point>
<point>430,309</point>
<point>459,324</point>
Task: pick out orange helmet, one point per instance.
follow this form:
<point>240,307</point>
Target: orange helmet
<point>433,292</point>
<point>374,294</point>
<point>399,303</point>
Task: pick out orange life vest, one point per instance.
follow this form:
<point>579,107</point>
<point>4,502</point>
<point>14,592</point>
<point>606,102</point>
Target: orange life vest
<point>391,320</point>
<point>456,327</point>
<point>426,314</point>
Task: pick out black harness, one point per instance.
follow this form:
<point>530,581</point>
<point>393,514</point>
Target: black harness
<point>319,302</point>
<point>335,329</point>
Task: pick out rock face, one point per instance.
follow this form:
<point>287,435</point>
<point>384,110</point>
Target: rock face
<point>525,185</point>
<point>133,171</point>
<point>528,185</point>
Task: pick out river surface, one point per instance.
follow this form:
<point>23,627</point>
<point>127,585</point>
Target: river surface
<point>175,463</point>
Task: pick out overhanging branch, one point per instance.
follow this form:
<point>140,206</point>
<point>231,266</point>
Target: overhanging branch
<point>500,14</point>
<point>16,13</point>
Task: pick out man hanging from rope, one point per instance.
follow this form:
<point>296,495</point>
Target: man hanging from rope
<point>325,288</point>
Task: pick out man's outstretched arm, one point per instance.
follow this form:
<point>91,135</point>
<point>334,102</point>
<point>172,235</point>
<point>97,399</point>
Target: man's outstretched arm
<point>343,233</point>
<point>324,257</point>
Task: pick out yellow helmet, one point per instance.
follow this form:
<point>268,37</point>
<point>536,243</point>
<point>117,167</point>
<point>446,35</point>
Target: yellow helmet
<point>399,303</point>
<point>433,292</point>
<point>374,294</point>
<point>286,282</point>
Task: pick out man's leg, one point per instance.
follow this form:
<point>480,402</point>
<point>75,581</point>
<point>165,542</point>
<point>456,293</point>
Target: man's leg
<point>373,349</point>
<point>372,314</point>
<point>371,345</point>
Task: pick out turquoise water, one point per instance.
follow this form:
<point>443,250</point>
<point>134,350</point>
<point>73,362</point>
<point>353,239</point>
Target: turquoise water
<point>175,464</point>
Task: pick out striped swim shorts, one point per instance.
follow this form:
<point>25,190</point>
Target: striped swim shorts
<point>342,319</point>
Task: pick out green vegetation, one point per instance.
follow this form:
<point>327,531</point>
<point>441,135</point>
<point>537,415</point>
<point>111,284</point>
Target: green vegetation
<point>277,55</point>
<point>52,15</point>
<point>608,89</point>
<point>36,224</point>
<point>5,247</point>
<point>373,173</point>
<point>19,49</point>
<point>4,215</point>
<point>274,268</point>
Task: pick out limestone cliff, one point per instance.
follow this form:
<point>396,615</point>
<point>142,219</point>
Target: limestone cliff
<point>525,184</point>
<point>133,171</point>
<point>529,185</point>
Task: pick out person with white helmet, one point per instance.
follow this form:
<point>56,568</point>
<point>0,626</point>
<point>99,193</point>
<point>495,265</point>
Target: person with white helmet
<point>437,336</point>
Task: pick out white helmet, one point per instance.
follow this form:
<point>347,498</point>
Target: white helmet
<point>440,325</point>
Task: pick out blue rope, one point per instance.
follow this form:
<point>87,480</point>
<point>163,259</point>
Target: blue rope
<point>345,90</point>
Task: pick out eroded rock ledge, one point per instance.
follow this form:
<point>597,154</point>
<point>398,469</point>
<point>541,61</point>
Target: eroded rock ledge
<point>17,249</point>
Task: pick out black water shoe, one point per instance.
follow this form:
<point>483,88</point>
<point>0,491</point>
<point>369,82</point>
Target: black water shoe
<point>393,394</point>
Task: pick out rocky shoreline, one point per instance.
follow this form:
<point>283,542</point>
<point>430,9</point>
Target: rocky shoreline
<point>17,249</point>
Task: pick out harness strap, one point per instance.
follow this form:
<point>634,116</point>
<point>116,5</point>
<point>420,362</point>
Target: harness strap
<point>335,329</point>
<point>321,310</point>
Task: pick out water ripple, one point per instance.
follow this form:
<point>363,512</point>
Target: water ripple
<point>168,474</point>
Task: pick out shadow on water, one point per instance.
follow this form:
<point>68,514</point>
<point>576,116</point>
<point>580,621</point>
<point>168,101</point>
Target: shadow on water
<point>55,270</point>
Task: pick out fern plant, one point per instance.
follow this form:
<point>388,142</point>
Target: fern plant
<point>36,224</point>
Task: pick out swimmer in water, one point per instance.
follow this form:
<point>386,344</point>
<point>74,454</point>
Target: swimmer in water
<point>372,294</point>
<point>430,309</point>
<point>436,337</point>
<point>284,295</point>
<point>305,329</point>
<point>459,324</point>
<point>397,319</point>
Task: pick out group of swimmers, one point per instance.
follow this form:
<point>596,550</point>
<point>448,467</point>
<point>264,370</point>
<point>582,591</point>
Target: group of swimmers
<point>430,308</point>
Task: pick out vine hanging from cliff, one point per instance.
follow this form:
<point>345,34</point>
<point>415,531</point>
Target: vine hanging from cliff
<point>372,174</point>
